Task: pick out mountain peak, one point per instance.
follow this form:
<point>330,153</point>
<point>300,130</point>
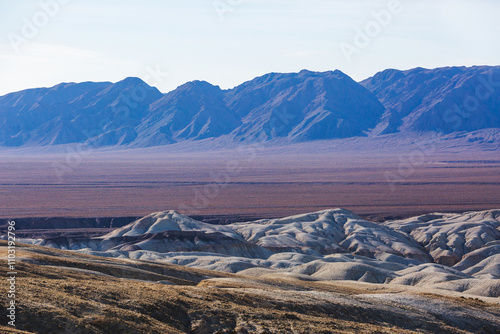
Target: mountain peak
<point>198,84</point>
<point>435,100</point>
<point>130,82</point>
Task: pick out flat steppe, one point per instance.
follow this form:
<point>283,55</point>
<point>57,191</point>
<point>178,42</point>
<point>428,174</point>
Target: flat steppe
<point>250,181</point>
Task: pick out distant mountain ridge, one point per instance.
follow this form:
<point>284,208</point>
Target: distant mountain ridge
<point>294,107</point>
<point>445,99</point>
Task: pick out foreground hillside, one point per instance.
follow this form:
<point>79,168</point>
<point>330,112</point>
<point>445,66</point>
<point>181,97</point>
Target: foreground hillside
<point>68,292</point>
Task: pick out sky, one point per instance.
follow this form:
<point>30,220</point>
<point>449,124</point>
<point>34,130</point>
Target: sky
<point>228,42</point>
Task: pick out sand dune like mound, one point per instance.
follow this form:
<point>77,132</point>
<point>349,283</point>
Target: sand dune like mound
<point>457,252</point>
<point>449,237</point>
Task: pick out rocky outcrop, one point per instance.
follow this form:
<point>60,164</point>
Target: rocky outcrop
<point>450,237</point>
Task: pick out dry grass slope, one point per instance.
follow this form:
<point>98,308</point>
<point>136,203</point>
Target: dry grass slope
<point>66,292</point>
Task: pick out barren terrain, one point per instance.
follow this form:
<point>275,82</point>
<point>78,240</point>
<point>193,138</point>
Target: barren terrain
<point>271,182</point>
<point>61,292</point>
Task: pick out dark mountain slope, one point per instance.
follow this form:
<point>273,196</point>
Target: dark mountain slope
<point>441,100</point>
<point>293,107</point>
<point>303,106</point>
<point>103,113</point>
<point>195,110</point>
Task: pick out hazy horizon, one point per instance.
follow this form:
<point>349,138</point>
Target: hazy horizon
<point>250,79</point>
<point>229,42</point>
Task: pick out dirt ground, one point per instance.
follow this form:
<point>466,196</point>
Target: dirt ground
<point>375,185</point>
<point>66,292</point>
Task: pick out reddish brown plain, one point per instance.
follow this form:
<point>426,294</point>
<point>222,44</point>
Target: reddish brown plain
<point>271,183</point>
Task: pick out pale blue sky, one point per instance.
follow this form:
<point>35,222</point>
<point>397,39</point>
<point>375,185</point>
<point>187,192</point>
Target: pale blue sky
<point>108,40</point>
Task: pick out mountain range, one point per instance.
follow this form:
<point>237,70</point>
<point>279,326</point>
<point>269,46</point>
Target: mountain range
<point>293,107</point>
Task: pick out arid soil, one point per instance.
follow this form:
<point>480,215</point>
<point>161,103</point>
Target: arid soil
<point>66,292</point>
<point>264,185</point>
